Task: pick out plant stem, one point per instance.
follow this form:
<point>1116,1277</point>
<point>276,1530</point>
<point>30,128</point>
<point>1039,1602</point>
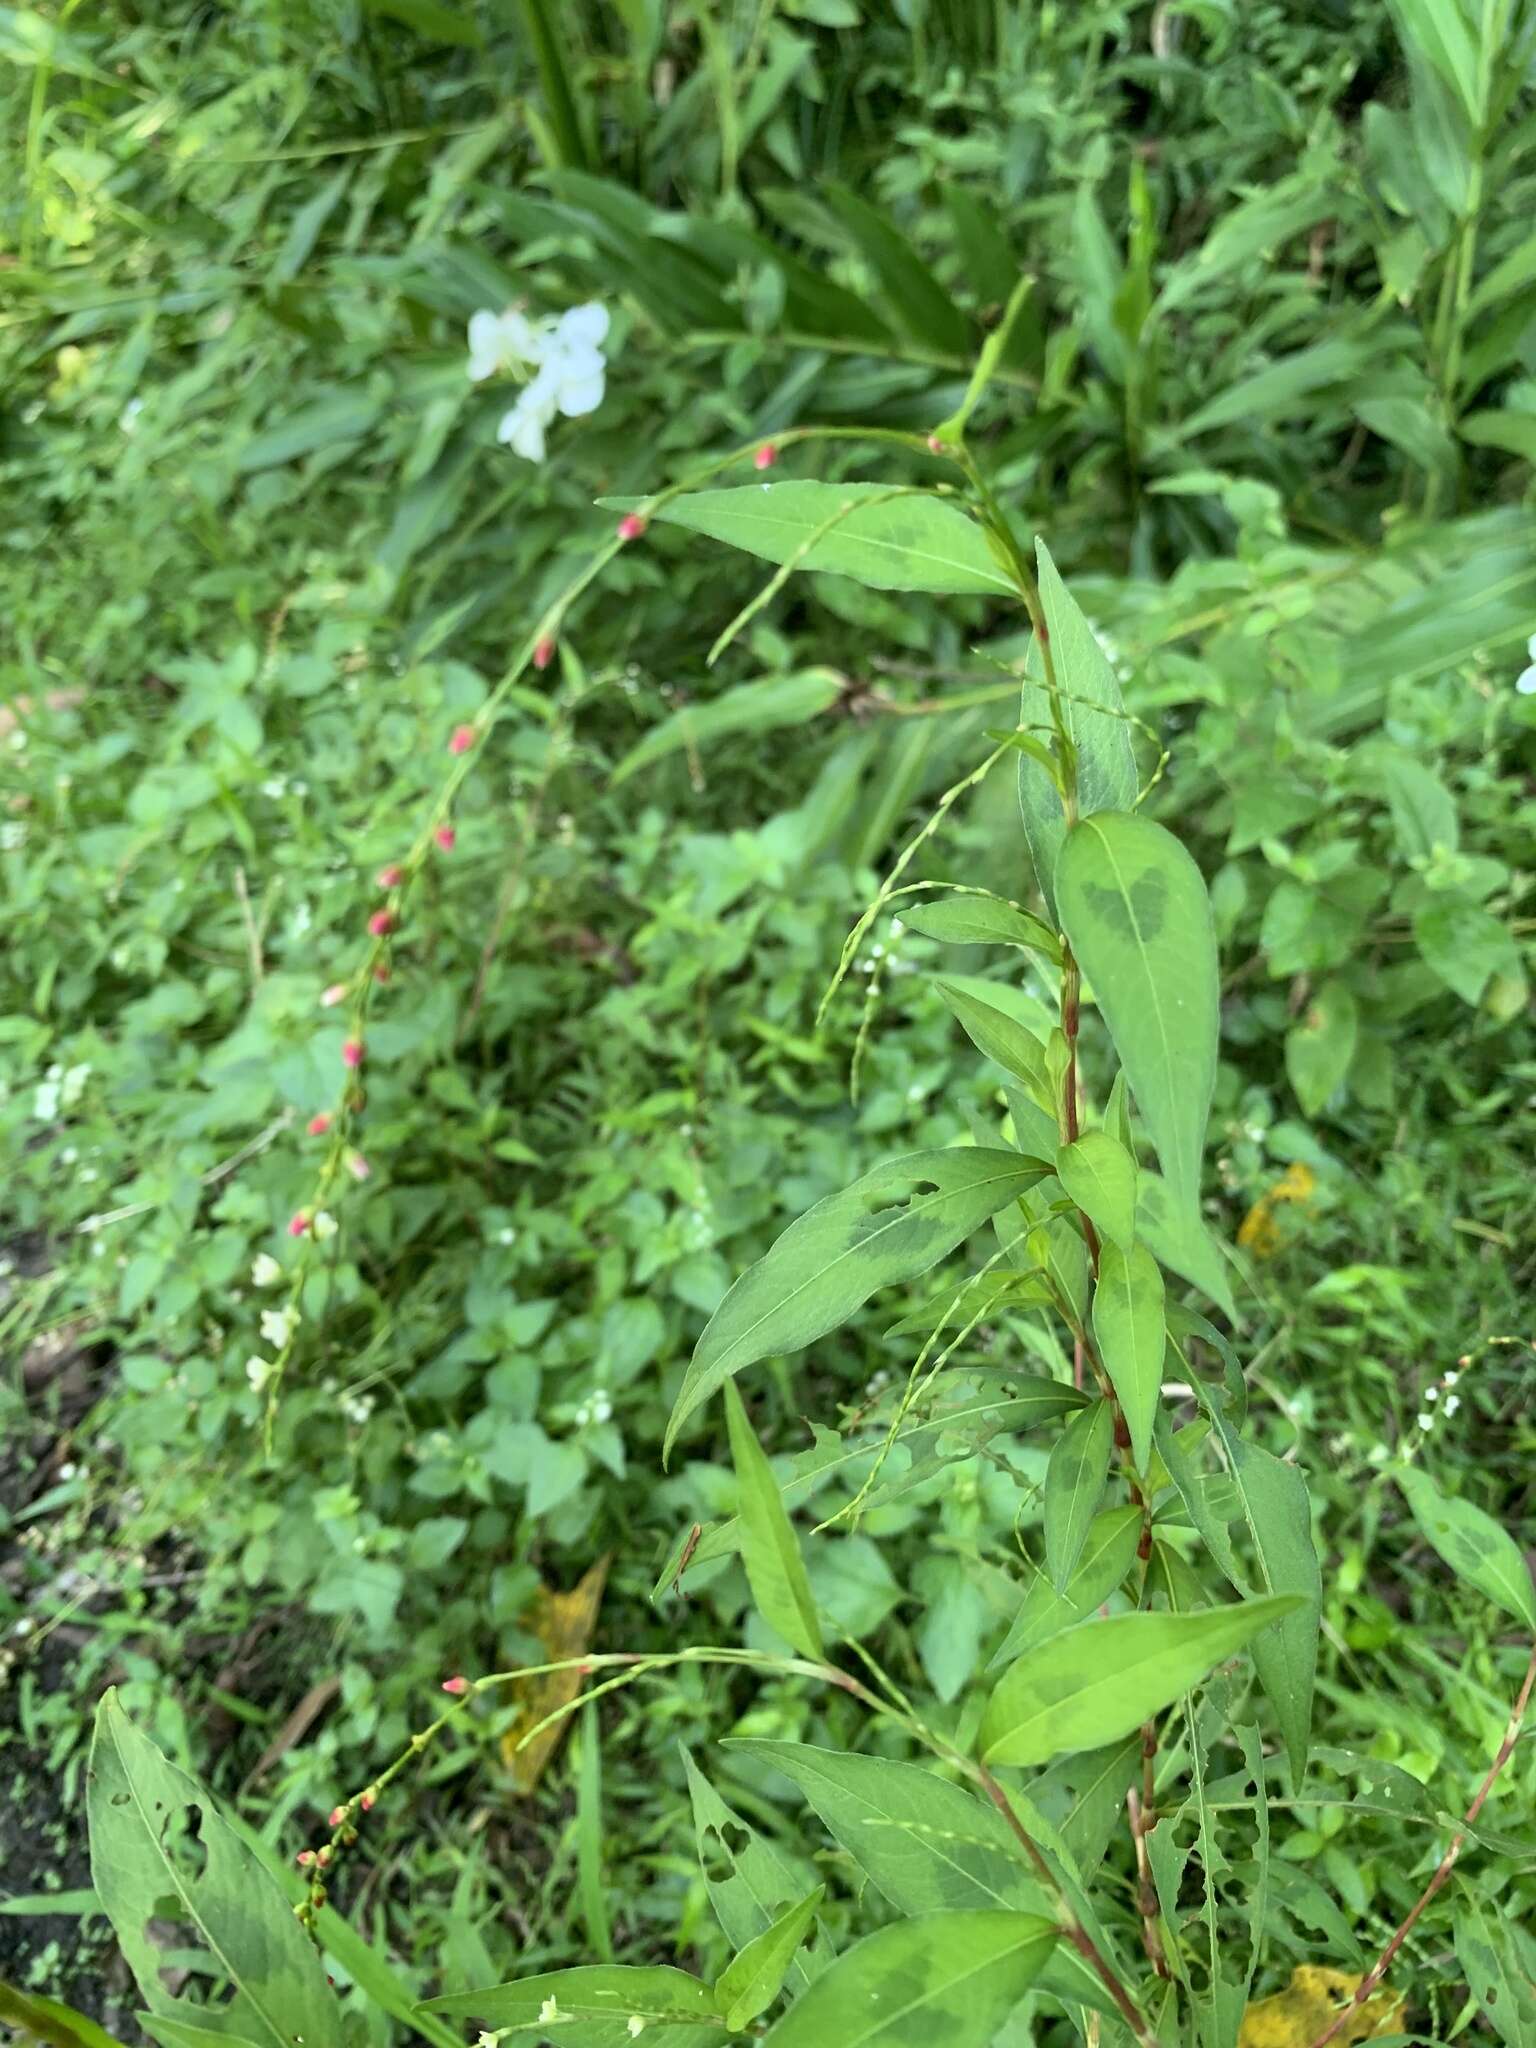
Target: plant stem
<point>1444,1867</point>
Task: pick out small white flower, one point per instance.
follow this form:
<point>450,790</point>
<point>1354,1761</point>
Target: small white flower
<point>1452,1403</point>
<point>602,1405</point>
<point>265,1271</point>
<point>549,2011</point>
<point>570,379</point>
<point>275,785</point>
<point>324,1225</point>
<point>258,1371</point>
<point>74,1085</point>
<point>636,2025</point>
<point>1432,1393</point>
<point>1426,1420</point>
<point>45,1104</point>
<point>278,1324</point>
<point>499,342</point>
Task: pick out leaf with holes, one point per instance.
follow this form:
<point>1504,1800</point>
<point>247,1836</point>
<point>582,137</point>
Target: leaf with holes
<point>890,1226</point>
<point>1134,909</point>
<point>159,1851</point>
<point>751,1881</point>
<point>950,1977</point>
<point>1498,1958</point>
<point>909,541</point>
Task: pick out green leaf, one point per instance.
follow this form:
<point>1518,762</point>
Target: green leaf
<point>1464,944</point>
<point>1101,738</point>
<point>750,1880</point>
<point>1131,1335</point>
<point>1133,906</point>
<point>755,707</point>
<point>1177,1238</point>
<point>753,1980</point>
<point>343,416</point>
<point>1107,1555</point>
<point>993,351</point>
<point>913,542</point>
<point>1497,1959</point>
<point>950,1977</point>
<point>890,1226</point>
<point>1096,1682</point>
<point>917,300</point>
<point>431,19</point>
<point>975,918</point>
<point>769,1548</point>
<point>1074,1486</point>
<point>1439,32</point>
<point>1321,1043</point>
<point>155,1835</point>
<point>621,1991</point>
<point>1100,1176</point>
<point>50,2021</point>
<point>999,1036</point>
<point>1473,1544</point>
<point>1423,809</point>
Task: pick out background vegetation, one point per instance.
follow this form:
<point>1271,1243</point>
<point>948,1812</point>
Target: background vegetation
<point>1273,406</point>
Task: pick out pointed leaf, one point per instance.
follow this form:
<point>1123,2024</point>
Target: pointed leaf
<point>1177,1238</point>
<point>1473,1544</point>
<point>1502,1979</point>
<point>755,707</point>
<point>916,541</point>
<point>750,1880</point>
<point>975,918</point>
<point>999,1036</point>
<point>924,308</point>
<point>1100,1176</point>
<point>753,1980</point>
<point>950,1977</point>
<point>1132,1337</point>
<point>769,1548</point>
<point>1096,1682</point>
<point>1134,908</point>
<point>1320,1045</point>
<point>890,1226</point>
<point>1106,1557</point>
<point>1074,1486</point>
<point>619,1991</point>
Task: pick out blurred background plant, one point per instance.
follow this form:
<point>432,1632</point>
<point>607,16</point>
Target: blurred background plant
<point>1273,404</point>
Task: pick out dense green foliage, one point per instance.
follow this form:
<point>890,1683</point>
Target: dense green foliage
<point>1271,403</point>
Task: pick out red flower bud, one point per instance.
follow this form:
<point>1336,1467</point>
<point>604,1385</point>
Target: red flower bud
<point>336,993</point>
<point>298,1225</point>
<point>338,1815</point>
<point>304,1858</point>
<point>390,877</point>
<point>456,1686</point>
<point>463,739</point>
<point>319,1124</point>
<point>544,652</point>
<point>445,836</point>
<point>366,1799</point>
<point>382,923</point>
<point>631,526</point>
<point>352,1053</point>
<point>766,456</point>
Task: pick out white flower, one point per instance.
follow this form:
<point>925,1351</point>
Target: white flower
<point>45,1104</point>
<point>324,1225</point>
<point>74,1085</point>
<point>570,376</point>
<point>1449,1379</point>
<point>1426,1420</point>
<point>1431,1393</point>
<point>278,1325</point>
<point>265,1271</point>
<point>128,418</point>
<point>499,342</point>
<point>258,1371</point>
<point>1525,682</point>
<point>1452,1403</point>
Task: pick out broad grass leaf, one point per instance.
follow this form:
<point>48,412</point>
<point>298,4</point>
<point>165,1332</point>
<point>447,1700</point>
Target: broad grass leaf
<point>1134,908</point>
<point>912,542</point>
<point>754,707</point>
<point>1074,1486</point>
<point>1094,1683</point>
<point>950,1977</point>
<point>1131,1335</point>
<point>51,2021</point>
<point>769,1548</point>
<point>1478,1550</point>
<point>339,417</point>
<point>917,300</point>
<point>1106,760</point>
<point>888,1227</point>
<point>156,1837</point>
<point>1100,1176</point>
<point>752,1980</point>
<point>1106,1556</point>
<point>654,1993</point>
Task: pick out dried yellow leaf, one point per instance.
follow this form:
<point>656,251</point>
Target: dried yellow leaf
<point>1258,1232</point>
<point>564,1624</point>
<point>1309,2005</point>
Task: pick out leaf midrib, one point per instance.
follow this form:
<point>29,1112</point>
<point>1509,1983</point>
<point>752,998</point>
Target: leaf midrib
<point>778,523</point>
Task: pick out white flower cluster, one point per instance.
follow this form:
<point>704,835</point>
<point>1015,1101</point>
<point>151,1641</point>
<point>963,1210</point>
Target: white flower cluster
<point>565,357</point>
<point>1525,682</point>
<point>60,1088</point>
<point>1447,1407</point>
<point>598,1407</point>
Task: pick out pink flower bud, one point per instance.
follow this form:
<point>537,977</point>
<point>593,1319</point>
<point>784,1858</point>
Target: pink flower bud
<point>304,1858</point>
<point>766,456</point>
<point>544,652</point>
<point>456,1686</point>
<point>298,1225</point>
<point>336,993</point>
<point>358,1166</point>
<point>366,1799</point>
<point>352,1053</point>
<point>319,1124</point>
<point>445,837</point>
<point>323,1856</point>
<point>390,877</point>
<point>631,526</point>
<point>382,923</point>
<point>463,739</point>
<point>338,1815</point>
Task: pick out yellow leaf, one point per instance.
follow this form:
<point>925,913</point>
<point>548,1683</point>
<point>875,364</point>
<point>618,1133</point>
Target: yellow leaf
<point>564,1624</point>
<point>1311,2002</point>
<point>1258,1232</point>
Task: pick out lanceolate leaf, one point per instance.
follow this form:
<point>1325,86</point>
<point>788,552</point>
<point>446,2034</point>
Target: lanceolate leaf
<point>769,1550</point>
<point>750,1879</point>
<point>755,707</point>
<point>1074,1485</point>
<point>912,542</point>
<point>155,1835</point>
<point>1129,1330</point>
<point>618,1991</point>
<point>1178,1239</point>
<point>890,1226</point>
<point>1106,760</point>
<point>971,918</point>
<point>753,1980</point>
<point>1096,1682</point>
<point>1473,1544</point>
<point>950,1977</point>
<point>1133,905</point>
<point>1488,1947</point>
<point>1107,1556</point>
<point>999,1036</point>
<point>1100,1176</point>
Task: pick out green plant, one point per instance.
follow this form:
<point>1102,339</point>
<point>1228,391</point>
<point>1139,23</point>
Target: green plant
<point>994,1866</point>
